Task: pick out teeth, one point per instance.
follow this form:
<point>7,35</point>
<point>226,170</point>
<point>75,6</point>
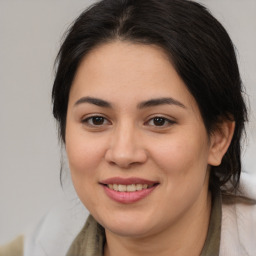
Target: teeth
<point>131,188</point>
<point>139,186</point>
<point>122,188</point>
<point>128,188</point>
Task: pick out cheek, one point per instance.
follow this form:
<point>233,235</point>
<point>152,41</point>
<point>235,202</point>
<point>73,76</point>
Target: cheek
<point>84,155</point>
<point>84,159</point>
<point>184,156</point>
<point>184,165</point>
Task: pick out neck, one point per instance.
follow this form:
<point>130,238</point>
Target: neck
<point>185,237</point>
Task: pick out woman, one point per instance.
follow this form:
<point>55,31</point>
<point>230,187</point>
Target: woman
<point>149,102</point>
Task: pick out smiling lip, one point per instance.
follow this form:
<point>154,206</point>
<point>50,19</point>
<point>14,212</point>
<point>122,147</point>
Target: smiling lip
<point>128,196</point>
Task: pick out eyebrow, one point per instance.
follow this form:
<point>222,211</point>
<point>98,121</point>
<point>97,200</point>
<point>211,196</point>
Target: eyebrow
<point>94,101</point>
<point>144,104</point>
<point>160,101</point>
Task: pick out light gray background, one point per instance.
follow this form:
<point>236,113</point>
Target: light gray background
<point>30,33</point>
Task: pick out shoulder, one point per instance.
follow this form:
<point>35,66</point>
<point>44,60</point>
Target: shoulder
<point>14,248</point>
<point>238,231</point>
<point>56,231</point>
<point>53,234</point>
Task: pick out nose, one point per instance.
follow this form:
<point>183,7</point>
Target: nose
<point>125,148</point>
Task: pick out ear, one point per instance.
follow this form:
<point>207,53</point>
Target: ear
<point>219,141</point>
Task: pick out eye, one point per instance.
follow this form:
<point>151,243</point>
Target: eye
<point>95,121</point>
<point>159,121</point>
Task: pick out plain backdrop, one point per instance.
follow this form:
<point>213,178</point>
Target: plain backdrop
<point>30,35</point>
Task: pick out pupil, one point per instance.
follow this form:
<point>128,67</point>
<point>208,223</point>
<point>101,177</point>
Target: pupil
<point>97,120</point>
<point>159,121</point>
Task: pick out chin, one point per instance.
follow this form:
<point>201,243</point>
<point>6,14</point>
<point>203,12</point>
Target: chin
<point>132,225</point>
<point>132,231</point>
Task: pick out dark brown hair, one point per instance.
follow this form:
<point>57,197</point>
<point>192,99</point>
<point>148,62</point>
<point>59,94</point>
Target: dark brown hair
<point>197,44</point>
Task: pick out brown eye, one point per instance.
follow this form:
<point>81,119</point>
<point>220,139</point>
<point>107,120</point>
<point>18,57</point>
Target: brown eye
<point>95,121</point>
<point>160,122</point>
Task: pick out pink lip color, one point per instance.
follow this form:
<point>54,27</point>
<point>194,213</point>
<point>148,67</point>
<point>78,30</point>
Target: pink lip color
<point>127,181</point>
<point>127,197</point>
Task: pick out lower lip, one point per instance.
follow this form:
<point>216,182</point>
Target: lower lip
<point>128,197</point>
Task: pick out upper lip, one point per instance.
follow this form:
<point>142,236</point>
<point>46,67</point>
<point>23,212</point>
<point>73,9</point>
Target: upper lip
<point>127,181</point>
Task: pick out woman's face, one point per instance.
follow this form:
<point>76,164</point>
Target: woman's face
<point>137,147</point>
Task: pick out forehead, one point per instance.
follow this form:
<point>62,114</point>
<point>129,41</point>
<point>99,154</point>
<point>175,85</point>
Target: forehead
<point>129,71</point>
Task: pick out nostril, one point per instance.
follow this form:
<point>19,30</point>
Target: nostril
<point>112,163</point>
<point>125,155</point>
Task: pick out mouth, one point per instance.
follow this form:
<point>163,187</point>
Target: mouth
<point>128,190</point>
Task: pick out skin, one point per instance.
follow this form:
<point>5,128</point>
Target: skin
<point>127,142</point>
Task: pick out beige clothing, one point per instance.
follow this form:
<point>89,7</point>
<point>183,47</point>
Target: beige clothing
<point>14,248</point>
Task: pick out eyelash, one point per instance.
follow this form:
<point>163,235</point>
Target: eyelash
<point>89,121</point>
<point>163,121</point>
